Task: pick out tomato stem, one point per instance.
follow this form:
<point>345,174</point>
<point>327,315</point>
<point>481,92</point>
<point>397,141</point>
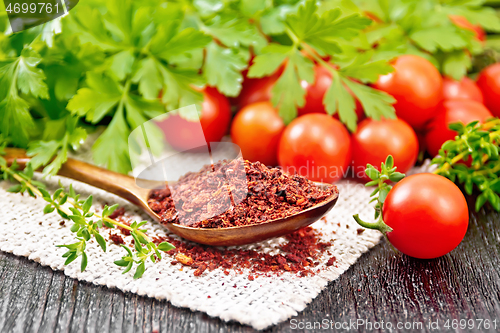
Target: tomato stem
<point>378,225</point>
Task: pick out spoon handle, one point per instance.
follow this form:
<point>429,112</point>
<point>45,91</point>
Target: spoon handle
<point>122,185</point>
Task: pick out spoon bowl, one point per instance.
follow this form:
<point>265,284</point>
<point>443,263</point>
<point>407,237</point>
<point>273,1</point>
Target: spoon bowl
<point>125,186</point>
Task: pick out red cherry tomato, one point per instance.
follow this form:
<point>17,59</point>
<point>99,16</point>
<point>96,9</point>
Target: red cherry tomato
<point>374,140</point>
<point>428,215</point>
<point>489,83</point>
<point>256,90</point>
<point>215,118</point>
<point>417,87</point>
<point>463,110</point>
<point>316,92</point>
<point>462,22</point>
<point>464,89</point>
<point>257,129</point>
<point>316,146</point>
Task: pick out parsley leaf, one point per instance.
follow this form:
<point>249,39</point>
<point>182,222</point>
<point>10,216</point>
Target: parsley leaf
<point>43,152</point>
<point>223,69</point>
<point>111,148</point>
<point>376,103</point>
<point>337,98</point>
<point>444,38</point>
<point>456,64</point>
<point>288,92</point>
<point>31,80</point>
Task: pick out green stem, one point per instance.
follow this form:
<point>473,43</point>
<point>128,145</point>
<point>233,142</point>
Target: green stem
<point>485,172</point>
<point>378,225</point>
<point>318,59</point>
<point>293,37</point>
<point>454,160</point>
<point>73,203</point>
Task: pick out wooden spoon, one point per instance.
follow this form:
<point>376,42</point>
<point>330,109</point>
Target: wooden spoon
<point>125,186</point>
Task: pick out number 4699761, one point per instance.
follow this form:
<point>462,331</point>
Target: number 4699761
<point>40,7</point>
<point>480,324</point>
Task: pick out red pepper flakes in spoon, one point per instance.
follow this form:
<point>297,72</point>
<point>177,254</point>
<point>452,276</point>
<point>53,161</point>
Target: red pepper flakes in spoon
<point>266,194</point>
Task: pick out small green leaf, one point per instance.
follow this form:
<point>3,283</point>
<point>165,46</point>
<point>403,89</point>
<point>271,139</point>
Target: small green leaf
<point>72,191</point>
<point>383,194</point>
<point>30,192</point>
<point>122,263</point>
<point>48,209</point>
<point>127,249</point>
<point>62,214</point>
<point>85,234</point>
<point>78,219</point>
<point>396,177</point>
<point>87,204</point>
<point>372,173</point>
<point>84,261</point>
<point>137,242</point>
<point>129,267</point>
<point>70,258</point>
<point>100,240</point>
<point>15,189</point>
<point>45,194</point>
<point>480,201</point>
<point>109,225</point>
<point>63,199</point>
<point>165,246</point>
<point>468,185</point>
<point>389,162</point>
<point>140,271</point>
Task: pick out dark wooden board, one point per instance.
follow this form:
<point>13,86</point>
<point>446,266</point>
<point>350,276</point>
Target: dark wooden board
<point>382,286</point>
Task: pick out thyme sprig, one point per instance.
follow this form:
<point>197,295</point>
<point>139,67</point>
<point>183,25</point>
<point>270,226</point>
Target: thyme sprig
<point>87,223</point>
<point>472,159</point>
<point>383,180</point>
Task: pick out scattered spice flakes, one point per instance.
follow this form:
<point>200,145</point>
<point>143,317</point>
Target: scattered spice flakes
<point>183,259</point>
<point>119,212</point>
<point>331,261</point>
<point>263,194</point>
<point>299,255</point>
<point>115,238</point>
<point>360,231</point>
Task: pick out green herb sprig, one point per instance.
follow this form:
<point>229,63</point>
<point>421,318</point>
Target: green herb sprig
<point>87,223</point>
<point>382,180</point>
<point>472,160</point>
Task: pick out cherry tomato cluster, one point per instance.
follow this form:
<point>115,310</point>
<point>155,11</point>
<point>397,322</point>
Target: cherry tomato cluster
<point>318,146</point>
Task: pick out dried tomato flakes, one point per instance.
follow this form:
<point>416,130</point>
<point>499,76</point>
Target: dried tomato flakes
<point>260,194</point>
<point>331,261</point>
<point>115,238</point>
<point>299,255</point>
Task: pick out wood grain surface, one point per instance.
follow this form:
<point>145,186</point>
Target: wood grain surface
<point>382,286</point>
